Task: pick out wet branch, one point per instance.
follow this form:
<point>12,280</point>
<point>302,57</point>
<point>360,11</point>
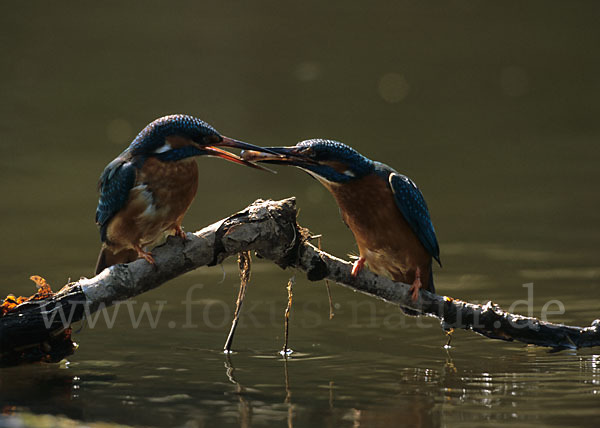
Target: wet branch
<point>269,228</point>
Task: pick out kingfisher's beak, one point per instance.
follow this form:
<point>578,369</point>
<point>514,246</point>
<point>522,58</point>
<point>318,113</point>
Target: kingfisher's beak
<point>237,144</point>
<point>213,150</point>
<point>279,155</point>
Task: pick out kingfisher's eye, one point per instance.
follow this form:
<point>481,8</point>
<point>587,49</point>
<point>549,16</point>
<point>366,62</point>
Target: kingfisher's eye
<point>210,139</point>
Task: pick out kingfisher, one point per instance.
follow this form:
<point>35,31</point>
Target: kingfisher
<point>384,209</point>
<point>147,189</point>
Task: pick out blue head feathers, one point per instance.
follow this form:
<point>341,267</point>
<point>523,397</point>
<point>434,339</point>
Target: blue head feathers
<point>154,134</point>
<point>334,161</point>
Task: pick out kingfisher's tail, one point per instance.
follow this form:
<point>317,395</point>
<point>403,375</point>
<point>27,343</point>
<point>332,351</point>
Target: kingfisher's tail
<point>108,258</point>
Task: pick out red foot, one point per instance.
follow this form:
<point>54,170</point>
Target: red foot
<point>179,232</point>
<point>357,266</point>
<point>416,286</point>
<point>145,255</point>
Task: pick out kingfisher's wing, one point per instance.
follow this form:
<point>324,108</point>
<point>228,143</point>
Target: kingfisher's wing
<point>116,181</point>
<point>411,203</point>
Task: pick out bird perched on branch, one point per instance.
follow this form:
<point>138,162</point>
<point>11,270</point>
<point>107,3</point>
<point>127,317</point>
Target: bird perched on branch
<point>146,191</point>
<point>384,209</point>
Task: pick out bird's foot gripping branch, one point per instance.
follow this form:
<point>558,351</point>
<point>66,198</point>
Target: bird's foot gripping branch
<point>29,331</point>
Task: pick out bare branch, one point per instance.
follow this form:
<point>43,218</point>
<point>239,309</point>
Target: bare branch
<point>269,228</point>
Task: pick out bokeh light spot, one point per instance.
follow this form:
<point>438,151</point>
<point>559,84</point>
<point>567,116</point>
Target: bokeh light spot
<point>393,87</point>
<point>307,71</point>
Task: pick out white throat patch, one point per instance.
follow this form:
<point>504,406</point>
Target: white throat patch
<point>164,148</point>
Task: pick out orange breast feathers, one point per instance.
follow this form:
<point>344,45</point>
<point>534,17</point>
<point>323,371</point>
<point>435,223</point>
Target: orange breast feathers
<point>383,236</point>
<point>157,203</point>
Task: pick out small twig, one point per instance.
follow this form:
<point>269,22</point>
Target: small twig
<point>331,314</point>
<point>449,334</point>
<point>286,351</point>
<point>245,264</point>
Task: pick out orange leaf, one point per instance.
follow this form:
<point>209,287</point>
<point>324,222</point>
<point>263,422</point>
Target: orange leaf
<point>44,290</point>
<point>11,302</point>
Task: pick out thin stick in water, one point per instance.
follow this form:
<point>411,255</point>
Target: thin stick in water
<point>286,351</point>
<point>331,314</point>
<point>245,264</point>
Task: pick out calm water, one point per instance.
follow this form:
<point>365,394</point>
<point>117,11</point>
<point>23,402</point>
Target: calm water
<point>492,110</point>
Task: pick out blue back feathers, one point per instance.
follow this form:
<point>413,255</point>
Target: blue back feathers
<point>117,179</point>
<point>412,205</point>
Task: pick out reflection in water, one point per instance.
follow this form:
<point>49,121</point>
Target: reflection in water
<point>288,390</point>
<point>460,387</point>
<point>43,390</point>
<point>245,409</point>
<point>590,368</point>
<point>416,411</point>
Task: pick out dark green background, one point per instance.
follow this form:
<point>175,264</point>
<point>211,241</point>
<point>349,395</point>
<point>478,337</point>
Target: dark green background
<point>490,107</point>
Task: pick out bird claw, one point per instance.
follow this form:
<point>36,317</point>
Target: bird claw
<point>179,232</point>
<point>145,255</point>
<point>416,286</point>
<point>357,266</point>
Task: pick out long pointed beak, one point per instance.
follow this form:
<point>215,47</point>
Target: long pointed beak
<point>237,144</point>
<point>278,155</point>
<point>223,154</point>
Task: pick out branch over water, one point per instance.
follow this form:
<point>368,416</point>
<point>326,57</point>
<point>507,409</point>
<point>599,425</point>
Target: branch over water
<point>35,330</point>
